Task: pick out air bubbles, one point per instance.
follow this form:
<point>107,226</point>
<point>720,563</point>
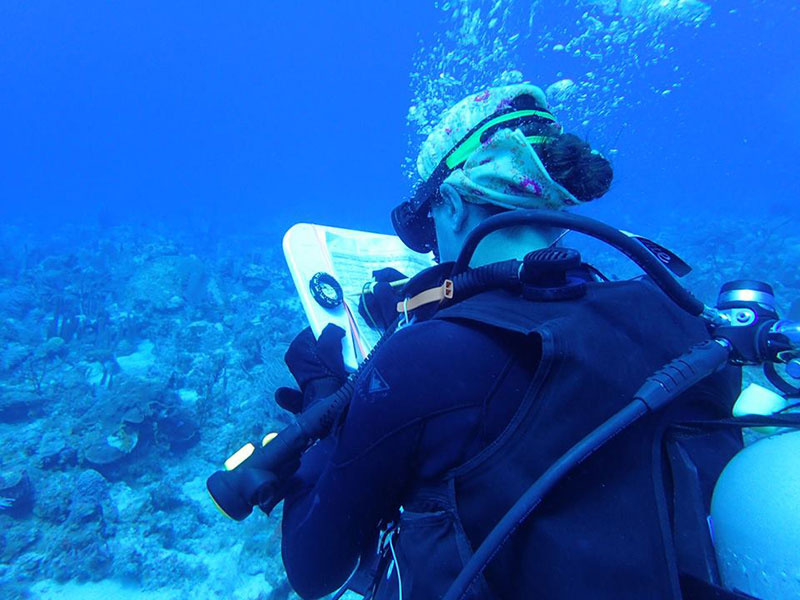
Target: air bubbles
<point>615,42</point>
<point>621,38</point>
<point>656,12</point>
<point>560,91</point>
<point>510,77</point>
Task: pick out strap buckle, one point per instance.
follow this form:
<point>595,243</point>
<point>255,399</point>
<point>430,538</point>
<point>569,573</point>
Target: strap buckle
<point>443,292</point>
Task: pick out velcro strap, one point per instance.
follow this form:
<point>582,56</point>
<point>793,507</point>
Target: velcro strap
<point>436,294</point>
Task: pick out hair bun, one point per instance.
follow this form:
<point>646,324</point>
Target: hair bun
<point>570,161</point>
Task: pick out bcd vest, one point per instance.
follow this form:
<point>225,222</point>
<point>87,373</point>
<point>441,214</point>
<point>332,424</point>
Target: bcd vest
<point>604,531</point>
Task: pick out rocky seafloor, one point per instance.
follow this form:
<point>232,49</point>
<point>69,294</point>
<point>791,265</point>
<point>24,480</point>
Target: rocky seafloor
<point>134,360</point>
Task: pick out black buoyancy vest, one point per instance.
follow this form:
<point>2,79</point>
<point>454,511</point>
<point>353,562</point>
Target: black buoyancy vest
<point>601,533</point>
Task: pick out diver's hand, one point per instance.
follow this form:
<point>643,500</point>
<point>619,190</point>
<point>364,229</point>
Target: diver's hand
<point>379,307</point>
<point>316,364</point>
<point>289,399</point>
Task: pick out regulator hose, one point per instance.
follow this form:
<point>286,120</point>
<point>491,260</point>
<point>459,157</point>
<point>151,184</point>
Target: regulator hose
<point>503,275</point>
<point>611,236</point>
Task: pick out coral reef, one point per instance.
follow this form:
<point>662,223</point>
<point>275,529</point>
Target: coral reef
<point>131,362</point>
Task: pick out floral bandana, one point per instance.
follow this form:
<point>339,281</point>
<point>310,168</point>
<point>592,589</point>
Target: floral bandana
<point>505,171</point>
<point>466,114</point>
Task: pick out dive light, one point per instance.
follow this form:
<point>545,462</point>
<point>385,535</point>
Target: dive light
<point>252,474</point>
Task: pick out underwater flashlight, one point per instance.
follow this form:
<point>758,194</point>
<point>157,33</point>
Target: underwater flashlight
<point>235,492</point>
<point>253,473</point>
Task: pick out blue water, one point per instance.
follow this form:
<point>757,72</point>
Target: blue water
<point>152,153</point>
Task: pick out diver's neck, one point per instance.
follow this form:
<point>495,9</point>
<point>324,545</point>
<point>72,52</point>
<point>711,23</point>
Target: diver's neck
<point>506,245</point>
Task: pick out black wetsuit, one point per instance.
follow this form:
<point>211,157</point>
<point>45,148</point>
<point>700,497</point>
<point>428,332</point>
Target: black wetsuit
<point>419,410</point>
<point>425,405</point>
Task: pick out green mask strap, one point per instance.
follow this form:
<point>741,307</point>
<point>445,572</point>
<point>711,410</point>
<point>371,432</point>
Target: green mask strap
<point>468,146</point>
<point>538,139</point>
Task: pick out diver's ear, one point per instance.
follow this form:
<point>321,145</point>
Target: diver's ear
<point>454,207</point>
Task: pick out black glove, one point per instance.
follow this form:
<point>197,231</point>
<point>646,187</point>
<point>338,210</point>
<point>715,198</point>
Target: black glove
<point>317,366</point>
<point>379,307</point>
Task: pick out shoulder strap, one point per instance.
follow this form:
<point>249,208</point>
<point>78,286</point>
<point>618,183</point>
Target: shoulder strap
<point>787,420</point>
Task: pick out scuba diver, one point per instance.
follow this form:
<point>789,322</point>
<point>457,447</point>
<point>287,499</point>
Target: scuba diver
<point>524,427</point>
<point>463,407</point>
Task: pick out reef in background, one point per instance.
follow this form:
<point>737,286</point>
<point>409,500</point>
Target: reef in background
<point>132,362</point>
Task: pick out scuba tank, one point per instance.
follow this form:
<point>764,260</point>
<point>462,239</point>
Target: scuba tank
<point>755,518</point>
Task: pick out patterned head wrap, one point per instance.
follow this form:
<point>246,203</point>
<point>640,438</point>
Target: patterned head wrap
<point>504,170</point>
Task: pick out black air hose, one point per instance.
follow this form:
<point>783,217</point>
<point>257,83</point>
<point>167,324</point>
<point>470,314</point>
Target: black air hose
<point>550,218</point>
<point>503,275</point>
